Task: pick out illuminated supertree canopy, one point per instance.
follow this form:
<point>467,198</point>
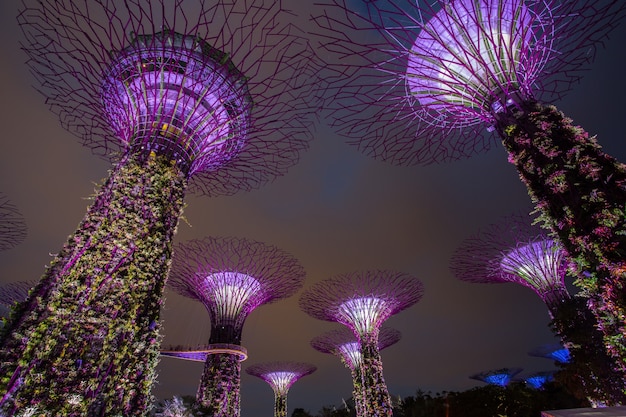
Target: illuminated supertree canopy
<point>513,250</point>
<point>230,277</point>
<point>12,225</point>
<point>209,97</point>
<point>343,344</point>
<point>424,82</point>
<point>539,379</point>
<point>362,301</point>
<point>281,375</point>
<point>500,377</point>
<point>556,352</point>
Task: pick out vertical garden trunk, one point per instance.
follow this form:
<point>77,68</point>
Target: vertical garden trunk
<point>376,395</point>
<point>580,193</point>
<point>86,342</point>
<point>280,404</point>
<point>357,392</point>
<point>219,386</point>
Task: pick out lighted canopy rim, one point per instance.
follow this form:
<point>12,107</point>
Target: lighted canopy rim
<point>475,57</point>
<point>540,264</point>
<point>231,294</point>
<point>176,95</point>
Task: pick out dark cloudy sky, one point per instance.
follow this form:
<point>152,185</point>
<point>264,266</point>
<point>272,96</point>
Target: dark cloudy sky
<point>336,211</point>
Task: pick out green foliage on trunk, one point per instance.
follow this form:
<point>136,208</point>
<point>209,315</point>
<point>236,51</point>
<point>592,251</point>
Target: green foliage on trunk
<point>220,385</point>
<point>580,193</point>
<point>86,342</point>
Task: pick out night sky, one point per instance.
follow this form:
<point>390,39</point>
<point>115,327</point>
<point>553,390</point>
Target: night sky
<point>336,211</point>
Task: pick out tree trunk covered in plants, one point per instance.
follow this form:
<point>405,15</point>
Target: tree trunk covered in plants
<point>220,385</point>
<point>357,391</point>
<point>580,193</point>
<point>590,374</point>
<point>376,395</point>
<point>280,404</point>
<point>86,342</point>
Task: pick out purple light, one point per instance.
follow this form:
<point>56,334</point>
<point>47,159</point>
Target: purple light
<point>343,343</point>
<point>514,250</point>
<point>361,300</point>
<point>281,375</point>
<point>539,265</point>
<point>232,277</point>
<point>471,55</point>
<point>364,313</point>
<point>173,93</point>
<point>232,293</point>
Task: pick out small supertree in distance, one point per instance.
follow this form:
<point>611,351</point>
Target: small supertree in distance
<point>211,97</point>
<point>281,375</point>
<point>554,351</point>
<point>12,225</point>
<point>343,344</point>
<point>363,301</point>
<point>499,377</point>
<point>539,379</point>
<point>514,250</point>
<point>425,82</point>
<point>231,277</point>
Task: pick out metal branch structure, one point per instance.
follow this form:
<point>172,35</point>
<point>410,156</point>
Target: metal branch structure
<point>343,344</point>
<point>231,277</point>
<point>13,228</point>
<point>281,375</point>
<point>182,96</point>
<point>362,301</point>
<point>513,250</point>
<point>500,377</point>
<point>438,80</point>
<point>12,293</point>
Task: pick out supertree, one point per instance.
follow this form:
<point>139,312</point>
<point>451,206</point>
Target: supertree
<point>514,250</point>
<point>281,375</point>
<point>500,377</point>
<point>203,96</point>
<point>424,82</point>
<point>363,301</point>
<point>556,352</point>
<point>343,344</point>
<point>231,277</point>
<point>12,225</point>
<point>539,379</point>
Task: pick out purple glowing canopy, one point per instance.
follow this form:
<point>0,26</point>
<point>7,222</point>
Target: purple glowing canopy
<point>225,88</point>
<point>281,375</point>
<point>513,250</point>
<point>362,300</point>
<point>418,82</point>
<point>342,342</point>
<point>233,276</point>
